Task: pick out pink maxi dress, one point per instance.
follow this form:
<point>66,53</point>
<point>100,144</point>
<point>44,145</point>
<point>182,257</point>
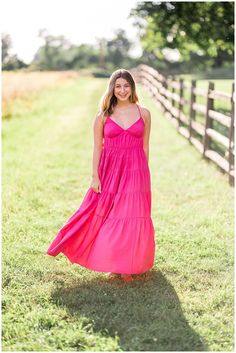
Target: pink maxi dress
<point>112,231</point>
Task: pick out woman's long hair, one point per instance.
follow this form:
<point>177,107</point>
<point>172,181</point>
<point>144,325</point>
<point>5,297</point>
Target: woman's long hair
<point>109,100</point>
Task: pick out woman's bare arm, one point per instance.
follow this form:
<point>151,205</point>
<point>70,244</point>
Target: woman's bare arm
<point>147,118</point>
<point>97,151</point>
<point>97,146</point>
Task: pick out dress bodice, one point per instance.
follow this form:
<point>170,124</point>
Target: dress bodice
<point>117,136</point>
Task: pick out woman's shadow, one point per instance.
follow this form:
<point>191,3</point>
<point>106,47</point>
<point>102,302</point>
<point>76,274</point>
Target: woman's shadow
<point>146,314</point>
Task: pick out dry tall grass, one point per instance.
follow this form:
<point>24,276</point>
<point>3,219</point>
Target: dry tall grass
<point>18,84</point>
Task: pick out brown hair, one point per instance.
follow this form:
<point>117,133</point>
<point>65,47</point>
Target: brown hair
<point>109,100</point>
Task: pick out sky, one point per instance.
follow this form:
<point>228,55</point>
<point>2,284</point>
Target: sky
<point>80,21</point>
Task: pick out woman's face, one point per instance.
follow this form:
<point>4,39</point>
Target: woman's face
<point>122,89</point>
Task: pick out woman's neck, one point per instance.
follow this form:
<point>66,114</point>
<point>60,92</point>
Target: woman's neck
<point>123,104</point>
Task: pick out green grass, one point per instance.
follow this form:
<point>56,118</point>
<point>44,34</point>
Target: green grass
<point>185,302</point>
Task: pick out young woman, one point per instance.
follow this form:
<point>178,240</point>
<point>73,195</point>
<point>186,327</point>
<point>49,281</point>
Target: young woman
<point>112,231</point>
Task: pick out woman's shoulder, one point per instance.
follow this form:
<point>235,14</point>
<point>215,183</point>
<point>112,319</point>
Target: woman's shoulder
<point>101,117</point>
<point>146,114</point>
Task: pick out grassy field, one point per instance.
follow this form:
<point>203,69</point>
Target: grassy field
<point>184,304</point>
<point>19,85</point>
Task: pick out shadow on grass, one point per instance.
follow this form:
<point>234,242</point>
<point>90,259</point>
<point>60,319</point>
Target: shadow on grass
<point>146,314</point>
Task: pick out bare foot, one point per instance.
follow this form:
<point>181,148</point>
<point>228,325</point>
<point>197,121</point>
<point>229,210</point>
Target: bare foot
<point>126,278</point>
<point>111,274</point>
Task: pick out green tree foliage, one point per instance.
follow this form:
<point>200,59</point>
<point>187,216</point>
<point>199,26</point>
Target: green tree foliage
<point>200,31</point>
<point>9,61</point>
<point>6,46</point>
<point>57,53</point>
<point>118,48</point>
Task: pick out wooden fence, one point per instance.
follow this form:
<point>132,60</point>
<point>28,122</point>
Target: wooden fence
<point>182,111</point>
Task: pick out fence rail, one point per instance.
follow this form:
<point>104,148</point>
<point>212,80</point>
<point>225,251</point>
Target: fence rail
<point>171,94</point>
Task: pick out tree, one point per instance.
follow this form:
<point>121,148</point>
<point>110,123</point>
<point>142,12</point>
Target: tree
<point>57,53</point>
<point>10,61</point>
<point>118,48</point>
<point>205,29</point>
<point>51,55</point>
<point>102,44</point>
<point>6,46</point>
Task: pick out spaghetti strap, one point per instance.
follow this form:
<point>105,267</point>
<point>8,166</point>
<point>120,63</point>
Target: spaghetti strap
<point>139,110</point>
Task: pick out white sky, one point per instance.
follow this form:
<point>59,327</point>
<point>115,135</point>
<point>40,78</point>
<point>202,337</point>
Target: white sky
<point>80,21</point>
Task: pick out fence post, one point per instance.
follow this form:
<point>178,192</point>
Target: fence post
<point>181,95</point>
<point>192,110</point>
<point>231,139</point>
<point>165,85</point>
<point>208,121</point>
<point>138,73</point>
<point>173,91</point>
